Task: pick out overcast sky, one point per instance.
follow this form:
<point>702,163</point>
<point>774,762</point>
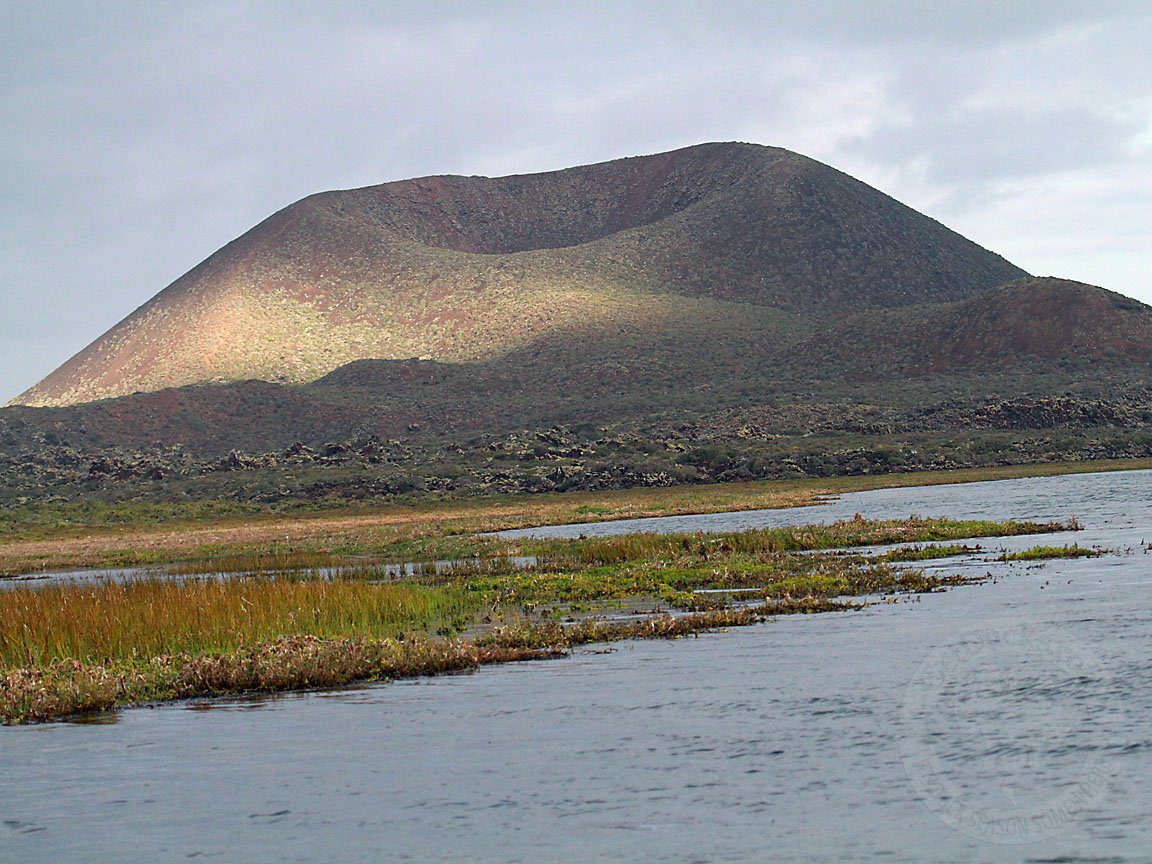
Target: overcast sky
<point>137,138</point>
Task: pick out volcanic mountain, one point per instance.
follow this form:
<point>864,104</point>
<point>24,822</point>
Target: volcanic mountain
<point>1042,322</point>
<point>740,244</point>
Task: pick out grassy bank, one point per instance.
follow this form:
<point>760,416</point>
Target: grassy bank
<point>127,621</point>
<point>66,649</point>
<point>306,662</point>
<point>68,687</point>
<point>140,536</point>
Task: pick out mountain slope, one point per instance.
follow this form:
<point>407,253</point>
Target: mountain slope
<point>732,367</point>
<point>1045,322</point>
<point>467,269</point>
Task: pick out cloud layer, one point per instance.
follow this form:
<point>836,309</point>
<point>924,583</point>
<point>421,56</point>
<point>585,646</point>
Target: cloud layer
<point>139,138</point>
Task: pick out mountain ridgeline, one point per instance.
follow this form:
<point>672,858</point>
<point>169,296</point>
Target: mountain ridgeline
<point>724,311</point>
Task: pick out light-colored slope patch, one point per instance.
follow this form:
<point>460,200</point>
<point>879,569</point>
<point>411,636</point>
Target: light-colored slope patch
<point>271,335</point>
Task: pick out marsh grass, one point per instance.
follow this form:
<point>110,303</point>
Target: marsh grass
<point>365,559</point>
<point>499,556</point>
<point>70,648</point>
<point>148,618</point>
<point>846,534</point>
<point>273,562</point>
<point>1043,553</point>
<point>296,663</point>
<point>299,663</point>
<point>931,552</point>
<point>787,577</point>
<point>527,634</point>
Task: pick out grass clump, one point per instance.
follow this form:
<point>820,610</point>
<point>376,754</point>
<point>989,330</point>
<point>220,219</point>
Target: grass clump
<point>931,552</point>
<point>1044,553</point>
<point>552,634</point>
<point>682,584</point>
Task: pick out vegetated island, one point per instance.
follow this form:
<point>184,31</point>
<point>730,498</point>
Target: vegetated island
<point>66,649</point>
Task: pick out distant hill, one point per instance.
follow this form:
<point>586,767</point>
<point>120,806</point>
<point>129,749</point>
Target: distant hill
<point>465,269</point>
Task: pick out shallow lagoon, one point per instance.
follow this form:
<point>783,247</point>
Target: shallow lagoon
<point>1002,722</point>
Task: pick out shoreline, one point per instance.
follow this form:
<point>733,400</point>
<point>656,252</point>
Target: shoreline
<point>454,529</point>
<point>72,650</point>
<point>307,664</point>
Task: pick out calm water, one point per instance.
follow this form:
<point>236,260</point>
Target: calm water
<point>97,576</point>
<point>1002,722</point>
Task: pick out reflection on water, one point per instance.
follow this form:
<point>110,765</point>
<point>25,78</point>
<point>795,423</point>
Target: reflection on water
<point>1005,722</point>
<point>376,570</point>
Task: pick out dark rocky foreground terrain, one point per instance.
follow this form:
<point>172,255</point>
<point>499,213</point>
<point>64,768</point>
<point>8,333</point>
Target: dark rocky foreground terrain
<point>811,440</point>
<point>723,312</point>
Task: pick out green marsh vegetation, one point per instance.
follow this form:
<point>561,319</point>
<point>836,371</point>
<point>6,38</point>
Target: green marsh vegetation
<point>931,552</point>
<point>204,535</point>
<point>1045,553</point>
<point>150,617</point>
<point>849,533</point>
<point>70,648</point>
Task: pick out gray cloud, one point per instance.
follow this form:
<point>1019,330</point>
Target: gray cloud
<point>983,145</point>
<point>140,137</point>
